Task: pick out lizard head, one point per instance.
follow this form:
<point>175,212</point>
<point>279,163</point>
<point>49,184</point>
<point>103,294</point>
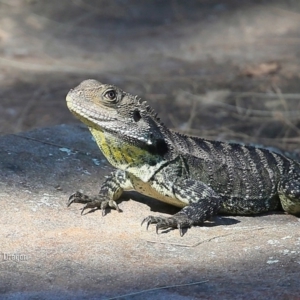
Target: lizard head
<point>108,109</point>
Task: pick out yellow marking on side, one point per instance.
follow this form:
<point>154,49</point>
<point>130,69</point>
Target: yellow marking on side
<point>117,151</point>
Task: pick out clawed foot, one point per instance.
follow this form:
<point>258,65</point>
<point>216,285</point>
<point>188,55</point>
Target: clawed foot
<point>176,221</point>
<point>92,202</point>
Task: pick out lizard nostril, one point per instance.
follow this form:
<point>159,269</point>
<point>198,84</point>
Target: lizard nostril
<point>136,116</point>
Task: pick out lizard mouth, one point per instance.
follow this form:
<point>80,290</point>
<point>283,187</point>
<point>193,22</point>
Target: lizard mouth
<point>92,118</point>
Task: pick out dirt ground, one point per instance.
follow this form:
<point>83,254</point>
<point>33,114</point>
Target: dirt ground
<point>227,70</point>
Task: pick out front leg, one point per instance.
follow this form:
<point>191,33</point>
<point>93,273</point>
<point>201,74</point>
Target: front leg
<point>111,190</point>
<point>202,203</point>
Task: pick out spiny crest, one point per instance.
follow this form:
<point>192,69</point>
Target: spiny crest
<point>150,111</point>
<point>145,107</point>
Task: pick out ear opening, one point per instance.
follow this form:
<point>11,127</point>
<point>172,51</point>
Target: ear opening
<point>136,116</point>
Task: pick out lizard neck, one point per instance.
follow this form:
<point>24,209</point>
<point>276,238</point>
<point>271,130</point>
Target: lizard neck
<point>127,157</point>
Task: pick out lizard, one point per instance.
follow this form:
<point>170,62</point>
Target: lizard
<point>202,177</point>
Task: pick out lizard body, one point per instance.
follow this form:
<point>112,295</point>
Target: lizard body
<point>200,176</point>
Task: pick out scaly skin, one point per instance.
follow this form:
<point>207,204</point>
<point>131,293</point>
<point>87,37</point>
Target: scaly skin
<point>202,177</point>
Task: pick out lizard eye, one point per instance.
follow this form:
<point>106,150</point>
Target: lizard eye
<point>111,95</point>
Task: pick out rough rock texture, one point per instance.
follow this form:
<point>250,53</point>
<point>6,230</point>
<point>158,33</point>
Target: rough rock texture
<point>49,251</point>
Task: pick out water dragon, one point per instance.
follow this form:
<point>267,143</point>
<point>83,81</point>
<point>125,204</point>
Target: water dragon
<point>200,176</point>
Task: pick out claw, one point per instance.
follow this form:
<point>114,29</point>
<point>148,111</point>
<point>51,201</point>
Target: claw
<point>103,207</point>
<point>166,223</point>
<point>71,200</point>
<point>83,209</point>
<point>157,227</point>
<point>180,230</point>
<point>148,222</point>
<point>115,205</point>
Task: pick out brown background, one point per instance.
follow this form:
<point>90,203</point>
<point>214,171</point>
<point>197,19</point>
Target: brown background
<point>201,64</point>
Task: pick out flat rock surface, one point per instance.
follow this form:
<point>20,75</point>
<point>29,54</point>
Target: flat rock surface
<point>49,251</point>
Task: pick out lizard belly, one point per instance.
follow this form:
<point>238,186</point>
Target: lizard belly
<point>156,191</point>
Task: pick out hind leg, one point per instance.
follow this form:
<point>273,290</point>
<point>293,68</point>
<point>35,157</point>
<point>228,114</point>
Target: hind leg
<point>289,195</point>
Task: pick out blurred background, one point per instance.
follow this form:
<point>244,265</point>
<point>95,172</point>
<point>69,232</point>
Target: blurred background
<point>227,70</point>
